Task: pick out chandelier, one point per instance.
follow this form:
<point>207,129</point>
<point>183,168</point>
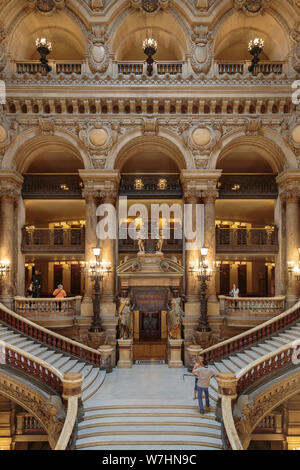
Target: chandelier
<point>149,48</point>
<point>44,47</point>
<point>255,48</point>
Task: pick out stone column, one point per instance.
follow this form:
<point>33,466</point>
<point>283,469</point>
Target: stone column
<point>10,186</point>
<point>210,243</point>
<point>289,192</point>
<point>90,243</point>
<point>292,244</point>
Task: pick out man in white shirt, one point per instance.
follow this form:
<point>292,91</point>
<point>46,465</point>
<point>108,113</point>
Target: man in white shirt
<point>204,374</point>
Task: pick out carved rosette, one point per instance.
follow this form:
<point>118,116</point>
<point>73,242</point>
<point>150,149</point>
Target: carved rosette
<point>98,54</point>
<point>149,6</point>
<point>46,7</point>
<point>202,52</point>
<point>252,7</point>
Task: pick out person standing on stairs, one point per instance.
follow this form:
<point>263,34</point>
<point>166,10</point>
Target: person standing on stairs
<point>198,363</point>
<point>204,375</point>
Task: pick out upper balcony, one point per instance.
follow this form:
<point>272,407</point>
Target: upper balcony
<point>57,240</point>
<point>244,240</point>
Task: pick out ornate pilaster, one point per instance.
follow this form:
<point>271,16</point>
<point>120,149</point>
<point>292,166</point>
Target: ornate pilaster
<point>289,193</point>
<point>10,189</point>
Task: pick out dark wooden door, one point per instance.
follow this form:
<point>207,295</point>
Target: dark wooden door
<point>225,279</point>
<point>242,279</point>
<point>75,279</point>
<point>57,275</point>
<point>150,326</point>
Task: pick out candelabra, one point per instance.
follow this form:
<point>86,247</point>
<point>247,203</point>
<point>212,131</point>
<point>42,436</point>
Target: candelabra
<point>44,48</point>
<point>96,271</point>
<point>294,269</point>
<point>4,269</point>
<point>204,274</point>
<point>255,47</point>
<point>149,48</point>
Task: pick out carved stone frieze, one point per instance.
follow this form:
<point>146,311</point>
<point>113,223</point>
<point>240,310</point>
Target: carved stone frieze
<point>202,51</point>
<point>150,6</point>
<point>98,54</point>
<point>3,46</point>
<point>97,5</point>
<point>252,7</point>
<point>46,6</point>
<point>46,126</point>
<point>295,35</point>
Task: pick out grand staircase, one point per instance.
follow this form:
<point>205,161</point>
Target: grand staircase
<point>162,423</point>
<point>93,376</point>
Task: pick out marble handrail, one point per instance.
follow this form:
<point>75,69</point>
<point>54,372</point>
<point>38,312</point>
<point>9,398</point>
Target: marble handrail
<point>66,435</point>
<point>25,305</point>
<point>252,304</point>
<point>51,338</point>
<point>256,370</point>
<point>251,336</point>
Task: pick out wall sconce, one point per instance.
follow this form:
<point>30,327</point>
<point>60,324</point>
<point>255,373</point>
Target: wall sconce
<point>162,184</point>
<point>255,48</point>
<point>4,268</point>
<point>149,48</point>
<point>138,184</point>
<point>44,48</point>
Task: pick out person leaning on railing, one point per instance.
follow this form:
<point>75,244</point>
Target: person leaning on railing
<point>59,293</point>
<point>235,293</point>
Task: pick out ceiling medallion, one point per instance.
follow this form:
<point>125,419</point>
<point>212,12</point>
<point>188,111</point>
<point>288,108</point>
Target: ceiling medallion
<point>252,7</point>
<point>46,6</point>
<point>149,6</point>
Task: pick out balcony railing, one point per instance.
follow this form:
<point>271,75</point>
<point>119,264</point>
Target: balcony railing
<point>26,423</point>
<point>271,424</point>
<point>241,67</point>
<point>53,240</point>
<point>31,308</point>
<point>58,67</point>
<point>247,240</point>
<point>140,67</point>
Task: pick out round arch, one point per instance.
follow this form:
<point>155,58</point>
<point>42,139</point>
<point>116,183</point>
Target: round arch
<point>28,145</point>
<point>135,142</point>
<point>267,143</point>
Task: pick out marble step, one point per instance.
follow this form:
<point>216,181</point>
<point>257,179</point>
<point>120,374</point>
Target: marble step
<point>252,355</point>
<point>231,365</point>
<point>148,429</point>
<point>221,367</point>
<point>78,367</point>
<point>94,387</point>
<point>149,413</point>
<point>274,344</point>
<point>238,362</point>
<point>152,420</point>
<point>161,439</point>
<point>90,378</point>
<point>68,366</point>
<point>260,350</point>
<point>152,447</point>
<point>291,336</point>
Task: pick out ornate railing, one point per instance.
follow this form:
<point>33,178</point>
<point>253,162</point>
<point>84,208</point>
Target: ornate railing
<point>54,186</point>
<point>26,423</point>
<point>241,67</point>
<point>27,306</point>
<point>272,423</point>
<point>271,305</point>
<point>53,240</point>
<point>244,239</point>
<point>139,67</point>
<point>54,340</point>
<point>250,337</point>
<point>67,386</point>
<point>58,67</point>
<point>232,186</point>
<point>255,372</point>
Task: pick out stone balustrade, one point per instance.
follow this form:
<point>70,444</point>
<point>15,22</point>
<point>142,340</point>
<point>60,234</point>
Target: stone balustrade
<point>58,67</point>
<point>264,305</point>
<point>270,424</point>
<point>26,423</point>
<point>31,308</point>
<point>241,67</point>
<point>53,240</point>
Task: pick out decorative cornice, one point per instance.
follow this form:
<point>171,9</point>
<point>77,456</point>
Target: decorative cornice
<point>150,6</point>
<point>46,7</point>
<point>252,7</point>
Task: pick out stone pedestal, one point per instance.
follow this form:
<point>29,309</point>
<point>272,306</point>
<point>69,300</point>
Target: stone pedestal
<point>193,350</point>
<point>175,361</point>
<point>125,354</point>
<point>95,339</point>
<point>106,352</point>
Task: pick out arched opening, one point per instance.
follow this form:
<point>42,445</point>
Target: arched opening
<point>233,36</point>
<point>128,40</point>
<point>53,215</point>
<point>246,216</point>
<point>67,39</point>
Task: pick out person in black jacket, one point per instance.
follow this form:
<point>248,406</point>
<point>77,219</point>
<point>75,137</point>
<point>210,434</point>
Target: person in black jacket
<point>37,283</point>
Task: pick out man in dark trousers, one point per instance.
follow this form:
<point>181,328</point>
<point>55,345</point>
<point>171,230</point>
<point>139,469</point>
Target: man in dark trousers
<point>37,283</point>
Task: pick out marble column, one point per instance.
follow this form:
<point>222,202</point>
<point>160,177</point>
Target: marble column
<point>210,243</point>
<point>191,256</point>
<point>292,243</point>
<point>108,255</point>
<point>10,186</point>
<point>90,243</point>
